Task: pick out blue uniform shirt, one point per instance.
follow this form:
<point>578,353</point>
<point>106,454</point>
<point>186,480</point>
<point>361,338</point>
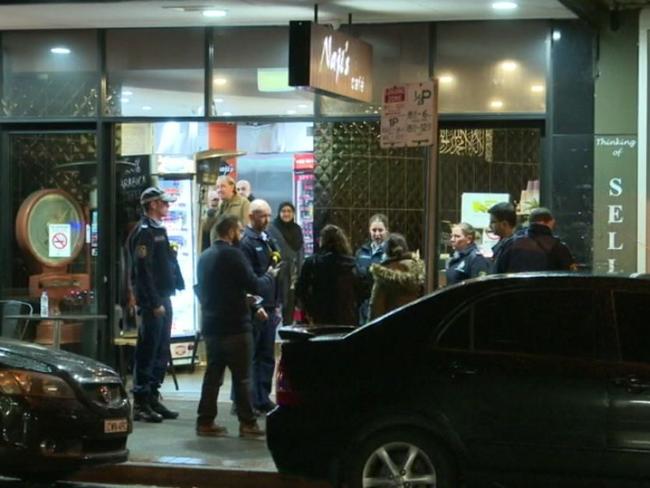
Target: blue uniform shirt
<point>466,264</point>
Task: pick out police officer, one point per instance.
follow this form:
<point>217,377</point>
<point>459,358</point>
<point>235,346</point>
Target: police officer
<point>536,248</point>
<point>467,261</point>
<point>155,276</point>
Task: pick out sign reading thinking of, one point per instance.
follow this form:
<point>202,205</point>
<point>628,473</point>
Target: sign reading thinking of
<point>409,115</point>
<point>329,61</point>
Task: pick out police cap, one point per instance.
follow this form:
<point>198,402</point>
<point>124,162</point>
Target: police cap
<point>154,193</point>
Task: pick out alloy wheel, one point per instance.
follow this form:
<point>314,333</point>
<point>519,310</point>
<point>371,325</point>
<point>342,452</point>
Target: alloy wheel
<point>401,465</point>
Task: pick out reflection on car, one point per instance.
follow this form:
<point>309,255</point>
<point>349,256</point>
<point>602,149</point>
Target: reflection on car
<point>59,412</point>
<point>495,378</point>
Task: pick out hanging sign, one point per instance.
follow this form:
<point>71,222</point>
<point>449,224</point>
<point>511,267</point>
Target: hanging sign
<point>59,240</point>
<point>329,61</point>
<point>409,115</point>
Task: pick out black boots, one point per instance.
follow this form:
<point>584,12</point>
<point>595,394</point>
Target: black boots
<point>142,411</point>
<point>160,409</point>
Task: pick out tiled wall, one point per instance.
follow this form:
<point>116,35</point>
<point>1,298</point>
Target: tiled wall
<point>355,178</point>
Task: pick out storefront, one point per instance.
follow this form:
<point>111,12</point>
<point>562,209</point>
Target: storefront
<point>102,114</point>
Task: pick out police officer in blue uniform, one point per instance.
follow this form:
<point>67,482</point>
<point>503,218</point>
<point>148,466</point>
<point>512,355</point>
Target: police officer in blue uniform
<point>372,252</point>
<point>467,261</point>
<point>155,276</point>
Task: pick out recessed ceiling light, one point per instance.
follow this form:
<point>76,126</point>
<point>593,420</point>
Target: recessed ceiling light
<point>291,112</point>
<point>60,50</point>
<point>504,5</point>
<point>446,79</point>
<point>537,88</point>
<point>146,108</point>
<point>218,100</point>
<point>496,104</point>
<point>227,114</point>
<point>303,105</point>
<point>124,100</point>
<point>557,35</point>
<point>214,13</point>
<point>220,81</point>
<point>127,93</point>
<point>509,65</point>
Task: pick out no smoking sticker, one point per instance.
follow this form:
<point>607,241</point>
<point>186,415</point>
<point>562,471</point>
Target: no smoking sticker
<point>59,240</point>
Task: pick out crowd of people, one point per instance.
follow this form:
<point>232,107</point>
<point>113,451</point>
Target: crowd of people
<point>252,276</point>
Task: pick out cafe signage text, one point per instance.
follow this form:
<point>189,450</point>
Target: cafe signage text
<point>329,61</point>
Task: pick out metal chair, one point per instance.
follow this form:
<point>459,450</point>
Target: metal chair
<point>15,328</point>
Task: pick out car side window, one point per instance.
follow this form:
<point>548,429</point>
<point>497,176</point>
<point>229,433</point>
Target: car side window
<point>456,334</point>
<point>632,315</point>
<point>546,322</point>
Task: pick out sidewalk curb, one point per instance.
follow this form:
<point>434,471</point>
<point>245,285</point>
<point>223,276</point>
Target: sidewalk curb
<point>178,475</point>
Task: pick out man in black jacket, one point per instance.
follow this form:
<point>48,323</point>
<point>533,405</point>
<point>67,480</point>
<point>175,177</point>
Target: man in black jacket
<point>536,248</point>
<point>155,276</point>
<point>225,279</point>
<point>263,252</point>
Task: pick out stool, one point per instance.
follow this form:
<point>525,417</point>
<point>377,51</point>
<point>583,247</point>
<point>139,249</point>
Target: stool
<point>130,339</point>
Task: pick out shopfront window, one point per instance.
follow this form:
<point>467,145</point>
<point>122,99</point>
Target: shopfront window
<point>52,261</point>
<point>486,67</point>
<point>155,72</point>
<point>251,75</point>
<point>49,74</point>
<point>399,56</point>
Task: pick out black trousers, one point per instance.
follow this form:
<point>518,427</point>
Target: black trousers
<point>236,353</point>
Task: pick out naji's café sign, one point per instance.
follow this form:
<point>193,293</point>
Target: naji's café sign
<point>329,61</point>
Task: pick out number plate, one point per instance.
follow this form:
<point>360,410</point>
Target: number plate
<point>115,425</point>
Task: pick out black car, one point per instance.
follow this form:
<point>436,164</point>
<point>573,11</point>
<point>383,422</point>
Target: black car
<point>496,378</point>
<point>59,412</point>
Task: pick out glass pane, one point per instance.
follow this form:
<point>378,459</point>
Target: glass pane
<point>251,74</point>
<point>155,72</point>
<point>551,323</point>
<point>491,66</point>
<point>54,204</point>
<point>49,73</point>
<point>400,55</point>
<point>632,312</point>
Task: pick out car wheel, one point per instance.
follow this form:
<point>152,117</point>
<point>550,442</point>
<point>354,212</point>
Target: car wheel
<point>400,458</point>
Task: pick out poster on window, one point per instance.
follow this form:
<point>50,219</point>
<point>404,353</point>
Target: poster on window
<point>409,115</point>
<point>59,240</point>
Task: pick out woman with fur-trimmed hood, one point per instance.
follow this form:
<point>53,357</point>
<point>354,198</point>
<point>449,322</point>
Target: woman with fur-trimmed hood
<point>398,280</point>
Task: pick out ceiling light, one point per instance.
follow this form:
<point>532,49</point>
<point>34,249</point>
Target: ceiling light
<point>496,104</point>
<point>303,105</point>
<point>127,93</point>
<point>509,65</point>
<point>557,35</point>
<point>220,81</point>
<point>218,100</point>
<point>124,100</point>
<point>291,112</point>
<point>537,88</point>
<point>446,79</point>
<point>146,108</point>
<point>504,5</point>
<point>227,114</point>
<point>214,13</point>
<point>60,50</point>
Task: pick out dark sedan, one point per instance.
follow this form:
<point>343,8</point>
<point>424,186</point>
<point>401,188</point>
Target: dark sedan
<point>494,379</point>
<point>59,412</point>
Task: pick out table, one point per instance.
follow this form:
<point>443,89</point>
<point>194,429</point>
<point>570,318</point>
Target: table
<point>58,321</point>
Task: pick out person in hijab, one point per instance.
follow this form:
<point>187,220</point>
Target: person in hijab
<point>289,237</point>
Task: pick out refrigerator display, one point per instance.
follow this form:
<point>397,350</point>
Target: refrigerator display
<point>304,179</point>
<point>179,225</point>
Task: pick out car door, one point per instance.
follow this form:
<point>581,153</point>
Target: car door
<point>539,392</point>
<point>628,423</point>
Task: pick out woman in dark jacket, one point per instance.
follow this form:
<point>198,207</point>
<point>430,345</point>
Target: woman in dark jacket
<point>398,280</point>
<point>328,287</point>
<point>467,261</point>
<point>289,237</point>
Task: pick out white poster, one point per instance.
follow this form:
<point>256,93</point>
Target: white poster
<point>474,207</point>
<point>409,115</point>
<point>59,240</point>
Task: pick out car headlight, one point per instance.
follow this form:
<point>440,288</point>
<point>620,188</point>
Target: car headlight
<point>32,384</point>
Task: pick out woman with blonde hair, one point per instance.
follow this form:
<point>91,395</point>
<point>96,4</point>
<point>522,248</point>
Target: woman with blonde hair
<point>398,280</point>
<point>467,260</point>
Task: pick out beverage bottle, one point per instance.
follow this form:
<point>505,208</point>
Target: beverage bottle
<point>45,304</point>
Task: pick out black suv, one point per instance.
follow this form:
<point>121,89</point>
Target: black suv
<point>526,373</point>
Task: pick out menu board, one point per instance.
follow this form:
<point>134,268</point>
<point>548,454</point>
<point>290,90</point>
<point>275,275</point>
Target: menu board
<point>409,115</point>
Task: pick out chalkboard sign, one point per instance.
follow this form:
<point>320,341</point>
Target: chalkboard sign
<point>131,183</point>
